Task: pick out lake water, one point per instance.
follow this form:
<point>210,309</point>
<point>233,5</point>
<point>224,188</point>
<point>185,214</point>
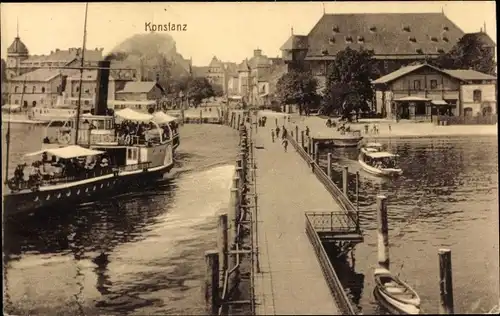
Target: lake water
<point>447,197</point>
<point>142,253</point>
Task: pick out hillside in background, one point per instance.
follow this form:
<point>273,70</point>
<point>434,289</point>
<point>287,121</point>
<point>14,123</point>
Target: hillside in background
<point>152,54</point>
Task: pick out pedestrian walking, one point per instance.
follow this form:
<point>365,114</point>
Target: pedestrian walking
<point>285,143</point>
<point>307,130</point>
<point>390,128</point>
<point>272,135</point>
<point>277,132</point>
<point>276,121</point>
<point>285,133</point>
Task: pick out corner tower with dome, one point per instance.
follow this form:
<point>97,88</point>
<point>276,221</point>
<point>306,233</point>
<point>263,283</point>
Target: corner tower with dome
<point>16,53</point>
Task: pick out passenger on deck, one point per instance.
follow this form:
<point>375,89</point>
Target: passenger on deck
<point>104,162</point>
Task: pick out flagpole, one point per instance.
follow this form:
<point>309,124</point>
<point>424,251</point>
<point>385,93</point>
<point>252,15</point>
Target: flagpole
<point>81,76</point>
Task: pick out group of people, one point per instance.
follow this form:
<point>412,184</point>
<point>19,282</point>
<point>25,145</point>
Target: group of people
<point>130,132</point>
<point>284,135</point>
<point>384,164</point>
<point>56,168</point>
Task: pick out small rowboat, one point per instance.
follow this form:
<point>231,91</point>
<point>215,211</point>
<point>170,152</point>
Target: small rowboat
<point>395,295</point>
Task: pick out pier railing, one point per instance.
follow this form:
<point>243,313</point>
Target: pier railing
<point>328,183</point>
<point>338,222</point>
<point>332,280</point>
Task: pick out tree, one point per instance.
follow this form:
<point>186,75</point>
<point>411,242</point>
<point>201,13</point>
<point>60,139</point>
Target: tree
<point>468,52</point>
<point>297,87</point>
<point>199,88</point>
<point>348,82</point>
<point>218,90</point>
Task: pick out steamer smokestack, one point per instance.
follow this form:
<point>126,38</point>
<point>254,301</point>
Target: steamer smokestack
<point>101,105</point>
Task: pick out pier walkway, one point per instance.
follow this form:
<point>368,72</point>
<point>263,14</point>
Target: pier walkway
<point>291,280</point>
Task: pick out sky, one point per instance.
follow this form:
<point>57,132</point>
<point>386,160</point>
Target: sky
<point>229,31</point>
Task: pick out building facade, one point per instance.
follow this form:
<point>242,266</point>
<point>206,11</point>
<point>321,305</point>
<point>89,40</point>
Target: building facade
<point>422,91</point>
<point>396,39</point>
<point>41,87</point>
<point>140,91</point>
<point>19,61</point>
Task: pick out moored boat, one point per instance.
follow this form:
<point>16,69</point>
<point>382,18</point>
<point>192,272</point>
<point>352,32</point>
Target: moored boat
<point>395,295</point>
<point>378,162</point>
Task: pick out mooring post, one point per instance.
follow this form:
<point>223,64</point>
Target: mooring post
<point>445,282</point>
<point>223,240</point>
<point>316,152</point>
<point>297,133</point>
<point>345,174</point>
<point>329,165</point>
<point>212,281</point>
<point>182,116</point>
<point>239,121</point>
<point>309,145</point>
<point>302,139</point>
<point>357,200</point>
<point>383,232</point>
<point>201,116</point>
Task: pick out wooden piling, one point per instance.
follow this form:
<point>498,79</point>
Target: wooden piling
<point>357,200</point>
<point>239,121</point>
<point>309,146</point>
<point>345,175</point>
<point>212,281</point>
<point>445,282</point>
<point>201,116</point>
<point>329,165</point>
<point>382,232</point>
<point>316,153</point>
<point>297,133</point>
<point>223,240</point>
<point>302,139</point>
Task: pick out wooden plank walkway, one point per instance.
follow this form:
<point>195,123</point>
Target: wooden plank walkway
<point>291,280</point>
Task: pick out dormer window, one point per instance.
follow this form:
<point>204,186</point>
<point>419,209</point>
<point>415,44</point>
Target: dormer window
<point>348,39</point>
<point>446,28</point>
<point>406,28</point>
<point>419,51</point>
<point>434,39</point>
<point>361,39</point>
<point>373,29</point>
<point>412,39</point>
<point>335,29</point>
<point>324,52</point>
<point>440,51</point>
<point>332,40</point>
<point>445,39</point>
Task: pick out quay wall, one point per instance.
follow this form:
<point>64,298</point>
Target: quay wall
<point>229,274</point>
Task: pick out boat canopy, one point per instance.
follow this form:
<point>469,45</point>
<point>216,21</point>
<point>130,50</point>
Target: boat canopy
<point>131,115</point>
<point>68,152</point>
<point>162,118</point>
<point>380,154</point>
<point>374,145</point>
<point>11,107</point>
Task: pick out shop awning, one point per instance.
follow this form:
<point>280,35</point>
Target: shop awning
<point>439,102</point>
<point>411,98</point>
<point>11,107</point>
<point>235,97</point>
<point>68,152</point>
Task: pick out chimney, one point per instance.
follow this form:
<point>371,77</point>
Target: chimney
<point>101,106</point>
<point>257,52</point>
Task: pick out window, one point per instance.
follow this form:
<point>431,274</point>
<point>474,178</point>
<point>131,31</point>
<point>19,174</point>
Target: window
<point>446,28</point>
<point>419,51</point>
<point>34,104</point>
<point>332,40</point>
<point>324,52</point>
<point>24,89</point>
<point>43,89</point>
<point>361,39</point>
<point>25,104</point>
<point>87,91</point>
<point>434,39</point>
<point>335,29</point>
<point>15,89</point>
<point>348,39</point>
<point>434,84</point>
<point>412,39</point>
<point>33,90</point>
<point>445,38</point>
<point>77,89</point>
<point>16,102</point>
<point>406,28</point>
<point>416,85</point>
<point>477,95</point>
<point>373,29</point>
<point>86,102</point>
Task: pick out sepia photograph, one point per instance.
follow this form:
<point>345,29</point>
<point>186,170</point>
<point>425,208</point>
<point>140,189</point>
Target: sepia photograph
<point>249,158</point>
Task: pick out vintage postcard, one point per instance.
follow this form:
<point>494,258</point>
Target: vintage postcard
<point>250,158</point>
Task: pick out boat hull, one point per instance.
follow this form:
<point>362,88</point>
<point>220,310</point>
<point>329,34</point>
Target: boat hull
<point>108,185</point>
<point>340,142</point>
<point>379,172</point>
<point>393,306</point>
<point>398,302</point>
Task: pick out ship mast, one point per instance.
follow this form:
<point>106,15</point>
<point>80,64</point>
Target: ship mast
<point>81,75</point>
<point>7,134</point>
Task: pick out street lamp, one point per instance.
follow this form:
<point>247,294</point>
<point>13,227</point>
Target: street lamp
<point>181,95</point>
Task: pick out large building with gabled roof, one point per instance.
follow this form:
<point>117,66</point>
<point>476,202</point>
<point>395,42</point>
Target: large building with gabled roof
<point>396,39</point>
